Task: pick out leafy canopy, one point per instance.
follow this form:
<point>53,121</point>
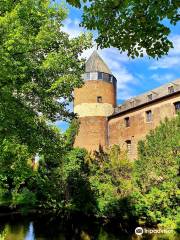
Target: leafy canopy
<point>137,27</point>
<point>40,67</point>
<point>156,176</point>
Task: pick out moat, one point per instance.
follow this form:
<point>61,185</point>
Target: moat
<point>50,228</point>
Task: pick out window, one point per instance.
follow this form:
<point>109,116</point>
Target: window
<point>177,107</point>
<point>87,76</point>
<point>110,78</point>
<point>127,122</point>
<point>132,104</point>
<point>170,89</point>
<point>128,145</point>
<point>149,116</point>
<point>106,76</point>
<point>100,75</point>
<point>99,99</point>
<point>149,97</point>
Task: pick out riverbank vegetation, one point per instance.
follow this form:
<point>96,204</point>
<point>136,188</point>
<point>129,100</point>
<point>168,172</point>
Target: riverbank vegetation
<point>106,184</point>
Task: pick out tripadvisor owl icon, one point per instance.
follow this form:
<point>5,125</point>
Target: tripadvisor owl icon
<point>139,231</point>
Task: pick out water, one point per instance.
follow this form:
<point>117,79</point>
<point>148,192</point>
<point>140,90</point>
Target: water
<point>48,228</point>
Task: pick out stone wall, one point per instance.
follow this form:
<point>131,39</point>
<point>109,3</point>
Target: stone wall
<point>94,109</point>
<point>93,114</point>
<point>118,133</point>
<point>89,92</point>
<point>92,133</point>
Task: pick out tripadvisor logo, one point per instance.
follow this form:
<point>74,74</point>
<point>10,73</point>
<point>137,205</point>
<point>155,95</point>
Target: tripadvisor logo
<point>139,231</point>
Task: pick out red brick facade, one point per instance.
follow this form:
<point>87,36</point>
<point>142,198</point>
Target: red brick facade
<point>92,133</point>
<point>92,89</point>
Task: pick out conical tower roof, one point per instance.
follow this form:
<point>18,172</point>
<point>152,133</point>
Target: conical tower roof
<point>96,64</point>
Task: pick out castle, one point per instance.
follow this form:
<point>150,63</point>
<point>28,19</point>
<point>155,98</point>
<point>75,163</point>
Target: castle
<point>103,123</point>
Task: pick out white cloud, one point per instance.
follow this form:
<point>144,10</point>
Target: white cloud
<point>176,42</point>
<point>163,78</point>
<point>173,58</point>
<point>167,62</point>
<point>72,27</point>
<point>125,79</point>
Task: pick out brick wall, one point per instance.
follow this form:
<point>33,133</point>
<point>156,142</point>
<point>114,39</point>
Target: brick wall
<point>92,89</point>
<point>119,134</point>
<point>92,133</point>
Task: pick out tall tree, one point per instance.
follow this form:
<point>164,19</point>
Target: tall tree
<point>134,26</point>
<point>40,67</point>
<point>156,176</point>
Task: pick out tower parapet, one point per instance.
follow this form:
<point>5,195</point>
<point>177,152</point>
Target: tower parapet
<point>94,102</point>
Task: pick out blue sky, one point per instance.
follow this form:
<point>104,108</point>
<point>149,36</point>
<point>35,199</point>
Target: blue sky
<point>134,76</point>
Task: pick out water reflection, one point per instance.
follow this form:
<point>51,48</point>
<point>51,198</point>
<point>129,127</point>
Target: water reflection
<point>15,228</point>
<point>30,233</point>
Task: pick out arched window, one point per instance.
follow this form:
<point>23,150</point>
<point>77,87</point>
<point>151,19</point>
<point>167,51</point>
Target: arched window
<point>127,122</point>
<point>128,146</point>
<point>149,116</point>
<point>99,99</point>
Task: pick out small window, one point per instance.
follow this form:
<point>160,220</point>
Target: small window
<point>106,76</point>
<point>100,75</point>
<point>99,99</point>
<point>149,97</point>
<point>128,145</point>
<point>110,78</point>
<point>87,76</point>
<point>132,104</point>
<point>149,116</point>
<point>170,89</point>
<point>177,107</point>
<point>127,121</point>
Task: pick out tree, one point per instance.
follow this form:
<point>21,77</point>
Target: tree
<point>156,176</point>
<point>15,174</point>
<point>40,67</point>
<point>137,27</point>
<point>111,182</point>
<point>158,159</point>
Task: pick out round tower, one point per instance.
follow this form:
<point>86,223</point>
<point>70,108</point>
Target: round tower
<point>93,103</point>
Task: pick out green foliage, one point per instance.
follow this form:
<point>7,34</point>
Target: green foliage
<point>39,69</point>
<point>71,133</point>
<point>110,179</point>
<point>137,27</point>
<point>15,171</point>
<point>65,188</point>
<point>156,176</point>
<point>77,192</point>
<point>24,197</point>
<point>158,160</point>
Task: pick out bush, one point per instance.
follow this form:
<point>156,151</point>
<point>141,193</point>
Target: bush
<point>156,176</point>
<point>110,180</point>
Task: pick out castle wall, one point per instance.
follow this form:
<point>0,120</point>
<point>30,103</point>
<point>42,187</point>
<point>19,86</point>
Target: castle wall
<point>102,123</point>
<point>91,89</point>
<point>92,133</point>
<point>94,109</point>
<point>118,133</point>
<point>93,114</point>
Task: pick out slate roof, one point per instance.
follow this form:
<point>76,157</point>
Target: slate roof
<point>96,64</point>
<point>141,100</point>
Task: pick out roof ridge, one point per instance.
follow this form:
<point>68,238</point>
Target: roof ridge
<point>140,96</point>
